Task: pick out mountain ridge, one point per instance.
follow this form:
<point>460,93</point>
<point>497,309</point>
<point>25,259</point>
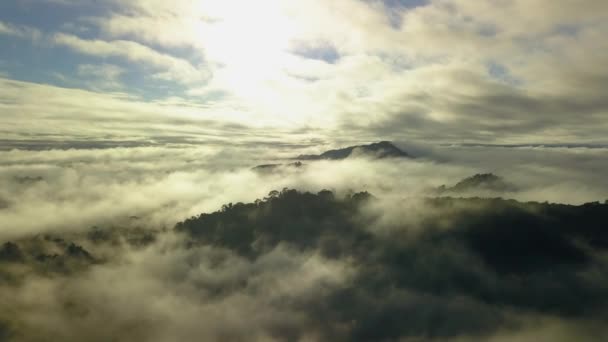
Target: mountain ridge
<point>382,149</point>
<point>477,182</point>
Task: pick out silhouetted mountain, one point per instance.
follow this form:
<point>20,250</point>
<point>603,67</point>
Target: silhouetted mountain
<point>133,236</point>
<point>28,179</point>
<point>528,257</point>
<point>10,252</point>
<point>383,149</point>
<point>479,182</point>
<point>444,267</point>
<point>4,203</point>
<point>46,255</point>
<point>274,167</point>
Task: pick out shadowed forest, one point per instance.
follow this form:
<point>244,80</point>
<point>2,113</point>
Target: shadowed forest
<point>463,267</point>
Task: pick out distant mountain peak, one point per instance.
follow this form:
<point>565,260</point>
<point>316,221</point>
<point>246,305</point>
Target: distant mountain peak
<point>382,149</point>
<point>274,167</point>
<point>480,181</point>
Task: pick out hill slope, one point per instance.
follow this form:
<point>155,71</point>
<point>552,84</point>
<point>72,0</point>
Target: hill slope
<point>383,149</point>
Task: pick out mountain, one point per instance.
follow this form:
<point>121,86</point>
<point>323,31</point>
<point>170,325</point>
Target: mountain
<point>274,167</point>
<point>475,259</point>
<point>379,150</point>
<point>480,182</point>
<point>383,149</point>
<point>445,267</point>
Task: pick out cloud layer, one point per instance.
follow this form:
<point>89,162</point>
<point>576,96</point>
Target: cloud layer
<point>74,189</point>
<point>442,70</point>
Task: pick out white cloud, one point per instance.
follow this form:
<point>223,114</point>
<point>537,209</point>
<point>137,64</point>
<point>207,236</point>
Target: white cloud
<point>501,71</point>
<point>105,76</point>
<point>39,109</point>
<point>172,68</point>
<point>434,64</point>
<point>24,32</point>
<point>164,185</point>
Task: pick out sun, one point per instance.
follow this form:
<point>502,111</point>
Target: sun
<point>246,34</point>
<point>249,47</point>
<point>247,43</point>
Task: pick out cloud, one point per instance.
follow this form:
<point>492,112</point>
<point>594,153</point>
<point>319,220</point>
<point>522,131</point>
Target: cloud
<point>40,111</point>
<point>172,68</point>
<point>75,189</point>
<point>462,102</point>
<point>441,70</point>
<point>425,78</point>
<point>24,32</point>
<point>221,287</point>
<point>106,76</point>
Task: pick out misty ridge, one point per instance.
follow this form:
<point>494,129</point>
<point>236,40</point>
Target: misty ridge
<point>387,248</point>
<point>379,150</point>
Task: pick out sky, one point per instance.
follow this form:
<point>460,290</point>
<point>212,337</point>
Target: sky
<point>310,71</point>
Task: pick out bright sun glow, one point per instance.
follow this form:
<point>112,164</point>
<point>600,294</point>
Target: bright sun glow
<point>251,35</point>
<point>248,44</point>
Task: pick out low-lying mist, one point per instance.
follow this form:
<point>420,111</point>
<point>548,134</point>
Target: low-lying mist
<point>192,243</point>
<point>159,186</point>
